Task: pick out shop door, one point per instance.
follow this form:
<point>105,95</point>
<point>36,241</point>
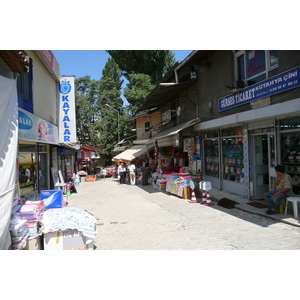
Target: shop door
<point>43,172</point>
<point>264,162</point>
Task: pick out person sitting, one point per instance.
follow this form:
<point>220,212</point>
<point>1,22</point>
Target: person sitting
<point>282,189</point>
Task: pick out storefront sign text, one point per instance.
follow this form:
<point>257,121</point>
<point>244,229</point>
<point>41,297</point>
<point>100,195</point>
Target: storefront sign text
<point>273,85</point>
<point>67,118</point>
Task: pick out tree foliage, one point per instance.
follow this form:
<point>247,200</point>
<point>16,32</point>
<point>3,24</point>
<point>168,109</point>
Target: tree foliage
<point>86,96</point>
<point>111,116</point>
<point>137,89</point>
<point>154,63</point>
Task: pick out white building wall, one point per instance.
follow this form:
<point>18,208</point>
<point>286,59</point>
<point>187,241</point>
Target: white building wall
<point>45,91</point>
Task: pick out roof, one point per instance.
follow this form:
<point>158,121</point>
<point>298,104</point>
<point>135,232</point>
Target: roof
<point>16,60</point>
<point>142,114</point>
<point>162,94</point>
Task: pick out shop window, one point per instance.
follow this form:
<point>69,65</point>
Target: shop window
<point>290,156</point>
<point>252,66</point>
<point>211,148</point>
<point>233,155</point>
<point>27,169</point>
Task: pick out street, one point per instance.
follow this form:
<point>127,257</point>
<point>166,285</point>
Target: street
<point>142,218</point>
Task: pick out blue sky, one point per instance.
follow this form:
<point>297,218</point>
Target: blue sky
<point>91,62</point>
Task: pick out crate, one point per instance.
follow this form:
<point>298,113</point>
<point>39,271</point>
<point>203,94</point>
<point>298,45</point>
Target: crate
<point>90,178</point>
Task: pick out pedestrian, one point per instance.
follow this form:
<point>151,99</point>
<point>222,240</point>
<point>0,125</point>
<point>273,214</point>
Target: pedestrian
<point>122,172</point>
<point>132,173</point>
<point>146,172</point>
<point>282,189</point>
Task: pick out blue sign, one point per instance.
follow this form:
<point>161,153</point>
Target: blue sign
<point>270,86</point>
<point>25,122</point>
<point>65,87</point>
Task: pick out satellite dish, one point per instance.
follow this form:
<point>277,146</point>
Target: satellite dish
<point>178,112</point>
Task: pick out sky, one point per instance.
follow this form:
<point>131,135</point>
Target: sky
<point>91,62</point>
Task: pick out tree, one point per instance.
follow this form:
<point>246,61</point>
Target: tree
<point>86,97</point>
<point>110,93</point>
<point>137,89</point>
<point>154,63</point>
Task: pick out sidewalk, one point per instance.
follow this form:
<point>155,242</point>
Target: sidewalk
<point>216,195</point>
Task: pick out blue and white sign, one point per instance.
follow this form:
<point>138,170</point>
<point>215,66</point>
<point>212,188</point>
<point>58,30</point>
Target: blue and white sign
<point>270,86</point>
<point>67,116</point>
<point>35,129</point>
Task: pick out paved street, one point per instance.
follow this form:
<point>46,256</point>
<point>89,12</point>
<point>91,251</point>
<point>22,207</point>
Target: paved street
<point>141,218</point>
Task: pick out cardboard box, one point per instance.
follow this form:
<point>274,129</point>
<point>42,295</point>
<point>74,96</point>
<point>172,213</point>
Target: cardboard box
<point>66,240</point>
<point>186,192</point>
<point>34,243</point>
<point>52,198</point>
<point>90,178</point>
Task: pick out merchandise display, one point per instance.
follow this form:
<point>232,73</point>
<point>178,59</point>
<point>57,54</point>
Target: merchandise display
<point>67,218</point>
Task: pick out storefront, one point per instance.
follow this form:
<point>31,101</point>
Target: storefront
<point>35,152</point>
<point>241,150</point>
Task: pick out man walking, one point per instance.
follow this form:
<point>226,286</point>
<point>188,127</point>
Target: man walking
<point>132,173</point>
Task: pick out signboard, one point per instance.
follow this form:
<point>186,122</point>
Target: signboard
<point>270,86</point>
<point>33,128</point>
<point>67,117</point>
<point>166,117</point>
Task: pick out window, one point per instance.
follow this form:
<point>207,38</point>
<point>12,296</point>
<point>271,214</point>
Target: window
<point>252,66</point>
<point>147,126</point>
<point>24,89</point>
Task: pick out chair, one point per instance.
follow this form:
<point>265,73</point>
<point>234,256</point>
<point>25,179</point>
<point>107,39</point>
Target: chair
<point>295,201</point>
<point>282,205</point>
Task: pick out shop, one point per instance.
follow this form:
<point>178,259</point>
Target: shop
<point>241,151</point>
<point>36,138</point>
<point>88,159</point>
<point>224,158</point>
<point>178,160</point>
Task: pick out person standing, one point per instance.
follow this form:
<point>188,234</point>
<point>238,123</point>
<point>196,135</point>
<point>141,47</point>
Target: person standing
<point>282,189</point>
<point>122,172</point>
<point>132,173</point>
<point>146,173</point>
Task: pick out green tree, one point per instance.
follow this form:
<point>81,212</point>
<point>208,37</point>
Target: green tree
<point>137,89</point>
<point>110,94</point>
<point>154,63</point>
<point>86,97</point>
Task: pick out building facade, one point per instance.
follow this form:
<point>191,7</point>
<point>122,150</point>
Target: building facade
<point>242,108</point>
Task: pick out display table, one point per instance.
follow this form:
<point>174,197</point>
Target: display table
<point>179,190</point>
<point>179,184</point>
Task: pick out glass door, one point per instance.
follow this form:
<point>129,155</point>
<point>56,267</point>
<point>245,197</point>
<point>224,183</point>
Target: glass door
<point>264,163</point>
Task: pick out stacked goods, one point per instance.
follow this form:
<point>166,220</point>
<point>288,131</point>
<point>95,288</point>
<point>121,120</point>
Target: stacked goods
<point>179,184</point>
<point>32,212</point>
<point>19,232</point>
<point>183,179</point>
<point>162,183</point>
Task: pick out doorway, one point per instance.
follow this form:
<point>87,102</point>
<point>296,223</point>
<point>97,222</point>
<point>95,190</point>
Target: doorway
<point>263,163</point>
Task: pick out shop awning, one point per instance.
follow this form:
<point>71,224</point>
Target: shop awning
<point>170,137</point>
<point>131,153</point>
<point>162,94</point>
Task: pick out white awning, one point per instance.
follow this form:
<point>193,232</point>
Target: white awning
<point>131,153</point>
